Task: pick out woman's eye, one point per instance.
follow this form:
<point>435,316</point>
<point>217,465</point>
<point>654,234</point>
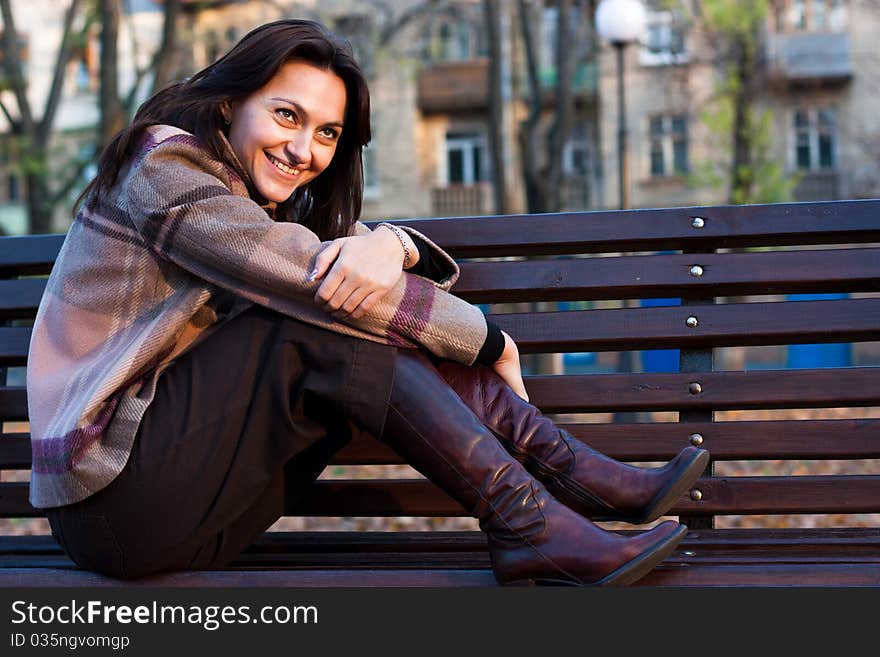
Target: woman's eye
<point>286,114</point>
<point>329,133</point>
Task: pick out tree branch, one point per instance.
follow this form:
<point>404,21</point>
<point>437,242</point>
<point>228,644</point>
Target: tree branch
<point>64,54</point>
<point>531,62</point>
<point>14,124</point>
<point>81,165</point>
<point>12,62</point>
<point>563,102</point>
<point>166,56</point>
<point>414,12</point>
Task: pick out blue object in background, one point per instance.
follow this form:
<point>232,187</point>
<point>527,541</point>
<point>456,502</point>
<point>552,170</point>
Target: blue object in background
<point>577,359</point>
<point>802,356</point>
<point>660,360</point>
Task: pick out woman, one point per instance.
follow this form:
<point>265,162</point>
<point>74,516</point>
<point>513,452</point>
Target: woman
<point>217,317</point>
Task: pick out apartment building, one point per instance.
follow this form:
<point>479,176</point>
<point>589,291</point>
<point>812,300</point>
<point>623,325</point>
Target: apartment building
<point>428,66</point>
<point>818,79</point>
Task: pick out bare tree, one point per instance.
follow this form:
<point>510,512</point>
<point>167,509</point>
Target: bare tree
<point>498,96</point>
<point>45,188</point>
<point>111,109</point>
<point>115,108</point>
<point>542,154</point>
<point>34,133</point>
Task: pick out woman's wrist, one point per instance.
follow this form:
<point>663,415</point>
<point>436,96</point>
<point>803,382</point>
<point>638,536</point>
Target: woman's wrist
<point>407,244</point>
<point>493,347</point>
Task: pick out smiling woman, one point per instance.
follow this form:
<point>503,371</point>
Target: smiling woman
<point>218,319</point>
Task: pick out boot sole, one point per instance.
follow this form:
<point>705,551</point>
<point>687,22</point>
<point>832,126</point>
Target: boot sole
<point>632,571</point>
<point>637,568</point>
<point>664,500</point>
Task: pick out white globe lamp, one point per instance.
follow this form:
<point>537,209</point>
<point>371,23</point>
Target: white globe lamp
<point>621,21</point>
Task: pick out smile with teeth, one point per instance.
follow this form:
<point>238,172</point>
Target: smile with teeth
<point>282,166</point>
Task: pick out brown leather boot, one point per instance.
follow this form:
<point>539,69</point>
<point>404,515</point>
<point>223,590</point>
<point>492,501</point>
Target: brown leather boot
<point>533,539</point>
<point>591,483</point>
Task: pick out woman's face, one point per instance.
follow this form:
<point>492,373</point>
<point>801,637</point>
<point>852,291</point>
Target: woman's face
<point>286,132</point>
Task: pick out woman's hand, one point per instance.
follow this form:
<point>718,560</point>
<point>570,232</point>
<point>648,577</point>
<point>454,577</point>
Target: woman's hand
<point>362,269</point>
<point>508,367</point>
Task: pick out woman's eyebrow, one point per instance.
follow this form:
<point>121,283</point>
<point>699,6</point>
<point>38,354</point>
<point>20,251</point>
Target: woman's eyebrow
<point>302,110</point>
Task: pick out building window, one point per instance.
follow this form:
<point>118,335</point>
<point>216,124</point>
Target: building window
<point>457,35</point>
<point>466,160</point>
<point>668,145</point>
<point>371,173</point>
<point>576,153</point>
<point>665,41</point>
<point>814,138</point>
<point>13,194</point>
<point>812,16</point>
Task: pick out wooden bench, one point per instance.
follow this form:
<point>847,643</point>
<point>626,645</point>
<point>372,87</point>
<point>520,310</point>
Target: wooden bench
<point>732,269</point>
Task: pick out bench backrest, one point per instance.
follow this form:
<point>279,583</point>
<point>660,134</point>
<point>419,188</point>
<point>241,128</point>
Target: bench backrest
<point>583,283</point>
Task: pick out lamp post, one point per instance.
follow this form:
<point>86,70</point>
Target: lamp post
<point>621,22</point>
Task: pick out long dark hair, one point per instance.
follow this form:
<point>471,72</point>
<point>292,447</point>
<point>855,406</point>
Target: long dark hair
<point>331,203</point>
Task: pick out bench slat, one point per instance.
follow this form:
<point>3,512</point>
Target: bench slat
<point>851,221</point>
<point>843,386</point>
<point>721,495</point>
<point>13,403</point>
<point>859,542</point>
<point>780,557</point>
<point>831,575</point>
<point>832,270</point>
<point>14,344</point>
<point>417,497</point>
<point>19,298</point>
<point>746,324</point>
<point>739,440</point>
<point>724,325</point>
<point>656,229</point>
<point>810,574</point>
<point>29,254</point>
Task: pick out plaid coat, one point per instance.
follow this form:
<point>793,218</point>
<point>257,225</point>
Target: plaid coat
<point>173,250</point>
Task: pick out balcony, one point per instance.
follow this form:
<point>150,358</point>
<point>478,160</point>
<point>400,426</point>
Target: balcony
<point>454,86</point>
<point>810,58</point>
<point>461,200</point>
<point>820,185</point>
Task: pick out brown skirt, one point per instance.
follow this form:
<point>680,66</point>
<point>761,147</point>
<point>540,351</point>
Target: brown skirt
<point>246,419</point>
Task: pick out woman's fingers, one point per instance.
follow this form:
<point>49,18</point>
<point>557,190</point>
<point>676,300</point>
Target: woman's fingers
<point>325,259</point>
<point>367,304</point>
<point>354,301</point>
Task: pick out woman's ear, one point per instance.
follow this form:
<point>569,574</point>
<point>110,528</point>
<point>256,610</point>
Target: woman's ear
<point>226,112</point>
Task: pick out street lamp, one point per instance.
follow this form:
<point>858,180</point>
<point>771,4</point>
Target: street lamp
<point>621,22</point>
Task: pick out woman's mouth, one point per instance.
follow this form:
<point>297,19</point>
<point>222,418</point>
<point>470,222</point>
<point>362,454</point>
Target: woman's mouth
<point>283,166</point>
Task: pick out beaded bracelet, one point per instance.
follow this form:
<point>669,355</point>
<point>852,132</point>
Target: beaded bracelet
<point>406,255</point>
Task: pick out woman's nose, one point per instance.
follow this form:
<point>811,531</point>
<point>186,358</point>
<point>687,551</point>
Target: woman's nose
<point>299,148</point>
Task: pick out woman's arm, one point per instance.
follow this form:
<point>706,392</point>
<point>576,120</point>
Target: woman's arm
<point>180,201</point>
